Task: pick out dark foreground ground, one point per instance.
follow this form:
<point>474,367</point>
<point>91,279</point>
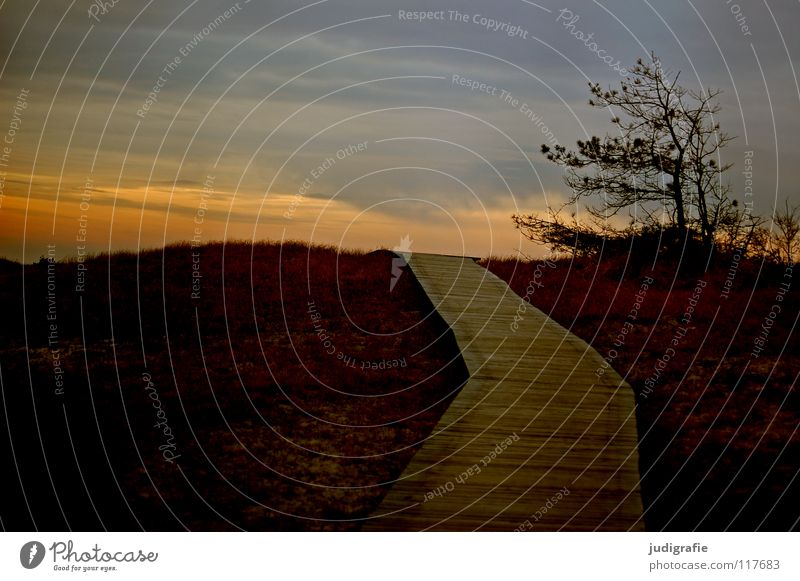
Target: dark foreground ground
<point>291,407</point>
<point>711,350</point>
<point>294,386</point>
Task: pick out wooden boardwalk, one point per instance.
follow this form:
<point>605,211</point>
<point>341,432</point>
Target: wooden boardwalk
<point>535,440</point>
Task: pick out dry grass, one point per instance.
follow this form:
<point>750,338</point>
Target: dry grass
<point>273,432</point>
<point>268,443</point>
<point>718,430</point>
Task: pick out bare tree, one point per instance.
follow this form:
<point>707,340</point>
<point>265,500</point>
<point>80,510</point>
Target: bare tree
<point>743,231</point>
<point>559,235</point>
<point>665,156</point>
<point>787,238</point>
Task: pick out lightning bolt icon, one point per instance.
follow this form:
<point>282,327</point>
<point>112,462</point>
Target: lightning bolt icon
<point>400,262</point>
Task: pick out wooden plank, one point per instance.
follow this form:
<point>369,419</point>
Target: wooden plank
<point>535,439</point>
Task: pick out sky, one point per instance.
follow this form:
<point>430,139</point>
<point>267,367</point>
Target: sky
<point>130,125</point>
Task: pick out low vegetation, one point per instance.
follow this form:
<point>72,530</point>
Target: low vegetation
<point>709,345</point>
<point>295,385</point>
<point>287,396</point>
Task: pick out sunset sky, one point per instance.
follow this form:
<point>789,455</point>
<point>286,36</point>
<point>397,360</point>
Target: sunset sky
<point>133,124</point>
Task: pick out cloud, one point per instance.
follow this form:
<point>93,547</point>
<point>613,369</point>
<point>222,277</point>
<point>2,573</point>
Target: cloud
<point>261,97</point>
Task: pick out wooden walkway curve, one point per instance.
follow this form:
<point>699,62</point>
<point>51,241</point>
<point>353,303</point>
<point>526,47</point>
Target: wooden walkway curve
<point>535,440</point>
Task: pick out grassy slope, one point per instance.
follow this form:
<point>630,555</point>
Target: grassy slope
<point>269,426</point>
<point>262,435</point>
<point>718,431</point>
